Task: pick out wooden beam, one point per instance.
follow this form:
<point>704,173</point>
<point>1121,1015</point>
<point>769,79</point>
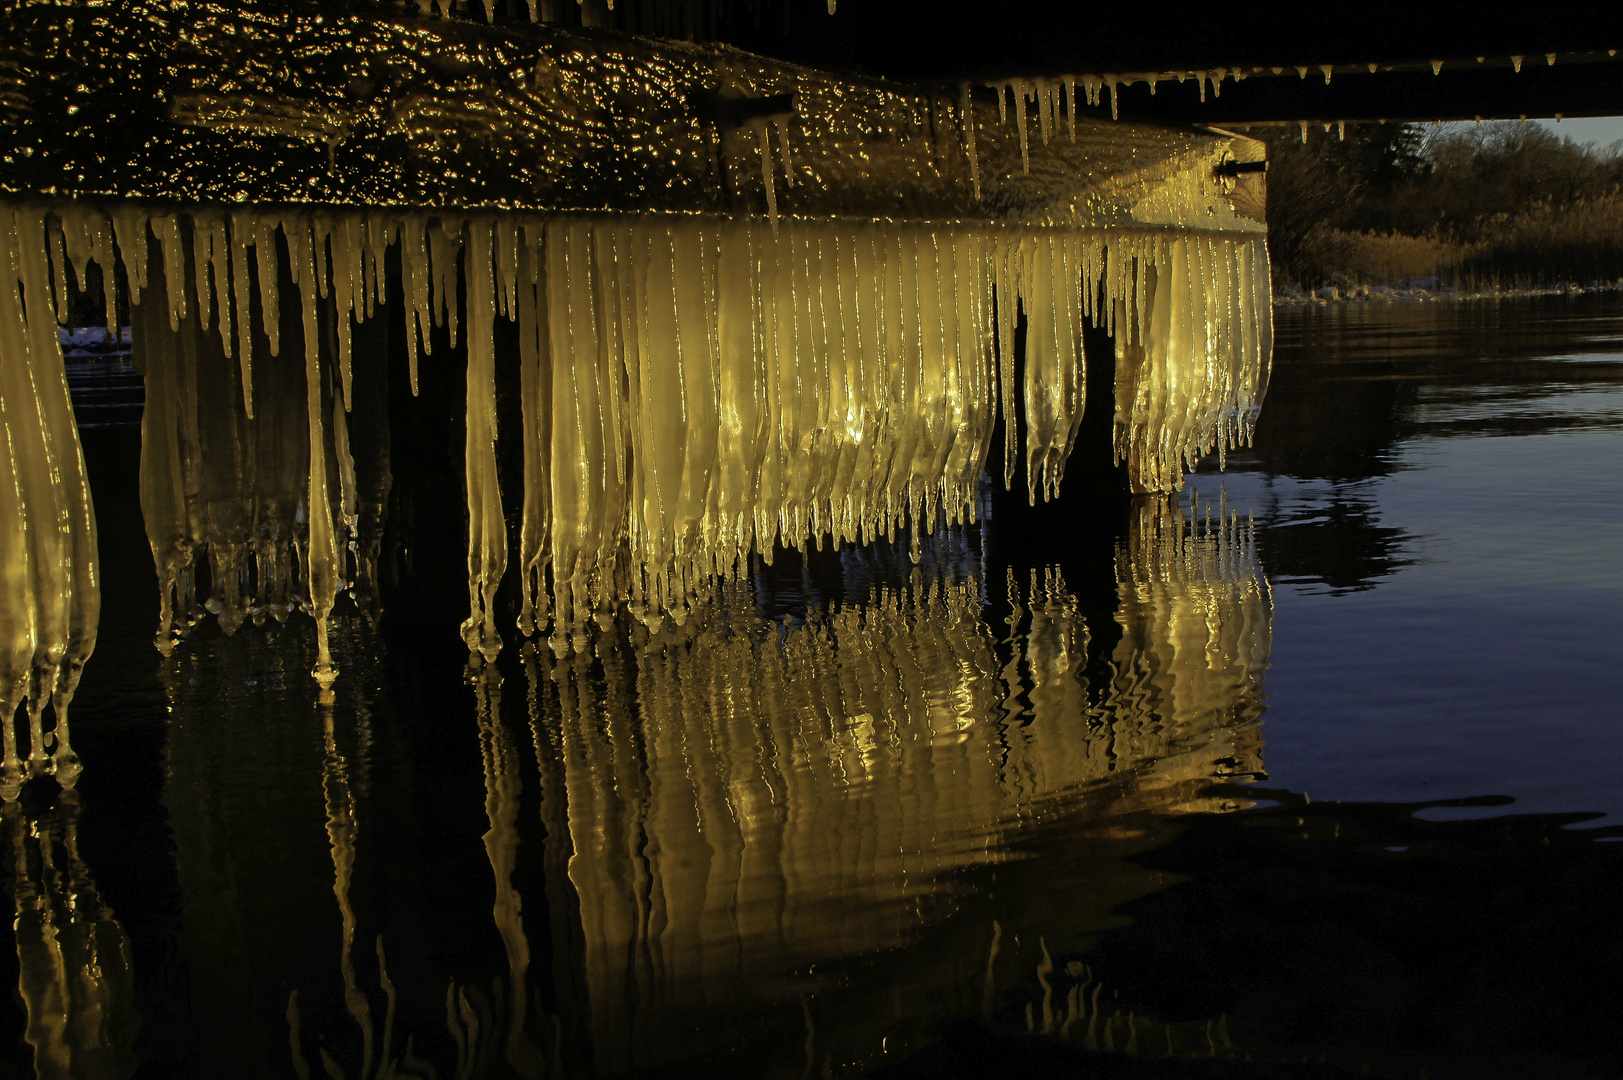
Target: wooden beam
<point>216,102</point>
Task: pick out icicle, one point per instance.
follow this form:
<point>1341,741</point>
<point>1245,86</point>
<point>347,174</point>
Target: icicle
<point>535,379</point>
<point>380,236</point>
<point>414,274</point>
<point>339,238</point>
<point>240,236</point>
<point>172,259</point>
<point>487,532</point>
<point>783,148</point>
<point>1018,89</point>
<point>766,174</point>
<point>444,245</point>
<point>1006,257</point>
<point>49,589</point>
<point>968,116</point>
<point>322,566</point>
<point>1328,70</point>
<point>130,229</point>
<point>1112,82</point>
<point>77,248</point>
<point>1070,104</point>
<point>505,247</point>
<point>58,272</point>
<point>202,254</point>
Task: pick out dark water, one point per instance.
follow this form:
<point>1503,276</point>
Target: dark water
<point>1315,771</point>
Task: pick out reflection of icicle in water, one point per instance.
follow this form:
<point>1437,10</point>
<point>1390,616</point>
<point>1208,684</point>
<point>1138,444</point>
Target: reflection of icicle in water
<point>520,1048</point>
<point>50,598</point>
<point>75,977</point>
<point>342,825</point>
<point>751,799</point>
<point>1196,615</point>
<point>693,389</point>
<point>507,1025</point>
<point>378,1043</point>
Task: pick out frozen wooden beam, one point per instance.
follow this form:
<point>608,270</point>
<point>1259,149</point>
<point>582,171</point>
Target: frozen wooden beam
<point>262,102</point>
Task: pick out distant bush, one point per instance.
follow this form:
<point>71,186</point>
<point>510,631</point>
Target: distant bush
<point>1506,205</point>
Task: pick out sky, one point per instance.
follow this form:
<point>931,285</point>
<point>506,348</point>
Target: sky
<point>1600,131</point>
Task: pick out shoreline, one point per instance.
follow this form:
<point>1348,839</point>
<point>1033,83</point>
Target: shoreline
<point>1386,294</point>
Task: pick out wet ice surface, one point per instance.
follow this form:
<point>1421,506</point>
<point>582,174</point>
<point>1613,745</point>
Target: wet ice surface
<point>1475,650</point>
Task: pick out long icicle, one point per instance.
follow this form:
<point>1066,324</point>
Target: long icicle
<point>487,533</point>
<point>692,391</point>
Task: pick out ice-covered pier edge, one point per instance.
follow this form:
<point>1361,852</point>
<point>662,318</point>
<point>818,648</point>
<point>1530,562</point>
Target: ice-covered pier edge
<point>756,303</point>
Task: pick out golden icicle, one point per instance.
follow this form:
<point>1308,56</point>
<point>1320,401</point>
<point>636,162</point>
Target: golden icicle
<point>693,390</point>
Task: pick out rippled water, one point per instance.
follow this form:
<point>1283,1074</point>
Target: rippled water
<point>1314,771</point>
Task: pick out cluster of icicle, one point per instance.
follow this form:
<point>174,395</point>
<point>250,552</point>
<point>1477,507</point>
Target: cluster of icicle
<point>692,389</point>
<point>1056,96</point>
<point>1049,94</point>
<point>665,18</point>
<point>227,469</point>
<point>50,598</point>
<point>1050,99</point>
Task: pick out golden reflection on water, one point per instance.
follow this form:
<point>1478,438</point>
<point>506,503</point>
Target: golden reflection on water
<point>74,960</point>
<point>519,1047</point>
<point>750,802</point>
<point>729,815</point>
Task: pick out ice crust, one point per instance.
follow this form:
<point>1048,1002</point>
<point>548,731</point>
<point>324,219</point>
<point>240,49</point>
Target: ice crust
<point>693,389</point>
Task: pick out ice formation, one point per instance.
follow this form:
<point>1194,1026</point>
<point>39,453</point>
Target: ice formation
<point>693,389</point>
<point>50,597</point>
<point>249,362</point>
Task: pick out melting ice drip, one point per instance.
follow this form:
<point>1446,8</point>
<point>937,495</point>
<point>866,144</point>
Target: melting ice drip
<point>692,389</point>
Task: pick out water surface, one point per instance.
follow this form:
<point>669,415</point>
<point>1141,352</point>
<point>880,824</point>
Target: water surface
<point>1312,771</point>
